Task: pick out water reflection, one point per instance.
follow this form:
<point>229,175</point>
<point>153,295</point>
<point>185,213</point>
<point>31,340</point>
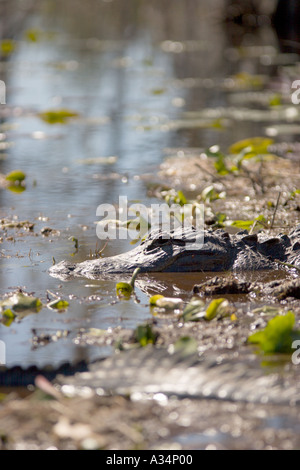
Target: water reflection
<point>121,66</point>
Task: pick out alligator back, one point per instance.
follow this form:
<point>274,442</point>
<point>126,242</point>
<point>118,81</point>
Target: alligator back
<point>152,370</point>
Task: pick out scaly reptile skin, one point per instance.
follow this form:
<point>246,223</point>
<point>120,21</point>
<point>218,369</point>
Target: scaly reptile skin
<point>153,370</point>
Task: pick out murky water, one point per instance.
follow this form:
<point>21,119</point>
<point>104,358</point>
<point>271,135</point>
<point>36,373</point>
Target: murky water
<point>128,69</point>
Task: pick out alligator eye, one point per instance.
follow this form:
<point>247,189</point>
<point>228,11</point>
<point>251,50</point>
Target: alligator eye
<point>158,242</point>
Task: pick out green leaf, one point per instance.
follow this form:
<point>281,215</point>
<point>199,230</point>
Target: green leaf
<point>7,46</point>
<point>259,222</point>
<point>294,193</point>
<point>8,317</point>
<point>33,35</point>
<point>216,307</point>
<point>220,165</point>
<point>154,299</point>
<point>221,217</point>
<point>175,197</point>
<point>278,335</point>
<point>210,194</point>
<point>15,176</point>
<point>20,302</point>
<point>275,100</point>
<point>58,304</point>
<point>144,335</point>
<point>251,147</point>
<point>16,188</point>
<point>194,311</point>
<point>158,91</point>
<point>124,289</point>
<point>60,116</point>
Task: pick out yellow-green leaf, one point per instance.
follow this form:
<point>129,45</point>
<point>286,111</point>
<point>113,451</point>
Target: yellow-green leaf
<point>7,46</point>
<point>58,304</point>
<point>20,301</point>
<point>278,335</point>
<point>154,299</point>
<point>8,317</point>
<point>124,289</point>
<point>145,335</point>
<point>253,146</point>
<point>60,116</point>
<point>15,176</point>
<point>194,311</point>
<point>215,308</point>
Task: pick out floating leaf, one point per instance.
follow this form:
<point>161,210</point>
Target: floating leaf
<point>154,299</point>
<point>278,335</point>
<point>33,35</point>
<point>60,116</point>
<point>20,302</point>
<point>58,304</point>
<point>15,176</point>
<point>125,289</point>
<point>158,91</point>
<point>7,46</point>
<point>7,317</point>
<point>16,188</point>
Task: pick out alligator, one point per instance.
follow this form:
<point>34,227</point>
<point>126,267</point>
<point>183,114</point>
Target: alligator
<point>152,370</point>
<point>192,250</point>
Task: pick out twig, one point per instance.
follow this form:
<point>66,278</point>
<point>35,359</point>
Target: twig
<point>275,210</point>
<point>289,265</point>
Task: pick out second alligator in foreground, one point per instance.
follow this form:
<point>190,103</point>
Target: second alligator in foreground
<point>189,250</point>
